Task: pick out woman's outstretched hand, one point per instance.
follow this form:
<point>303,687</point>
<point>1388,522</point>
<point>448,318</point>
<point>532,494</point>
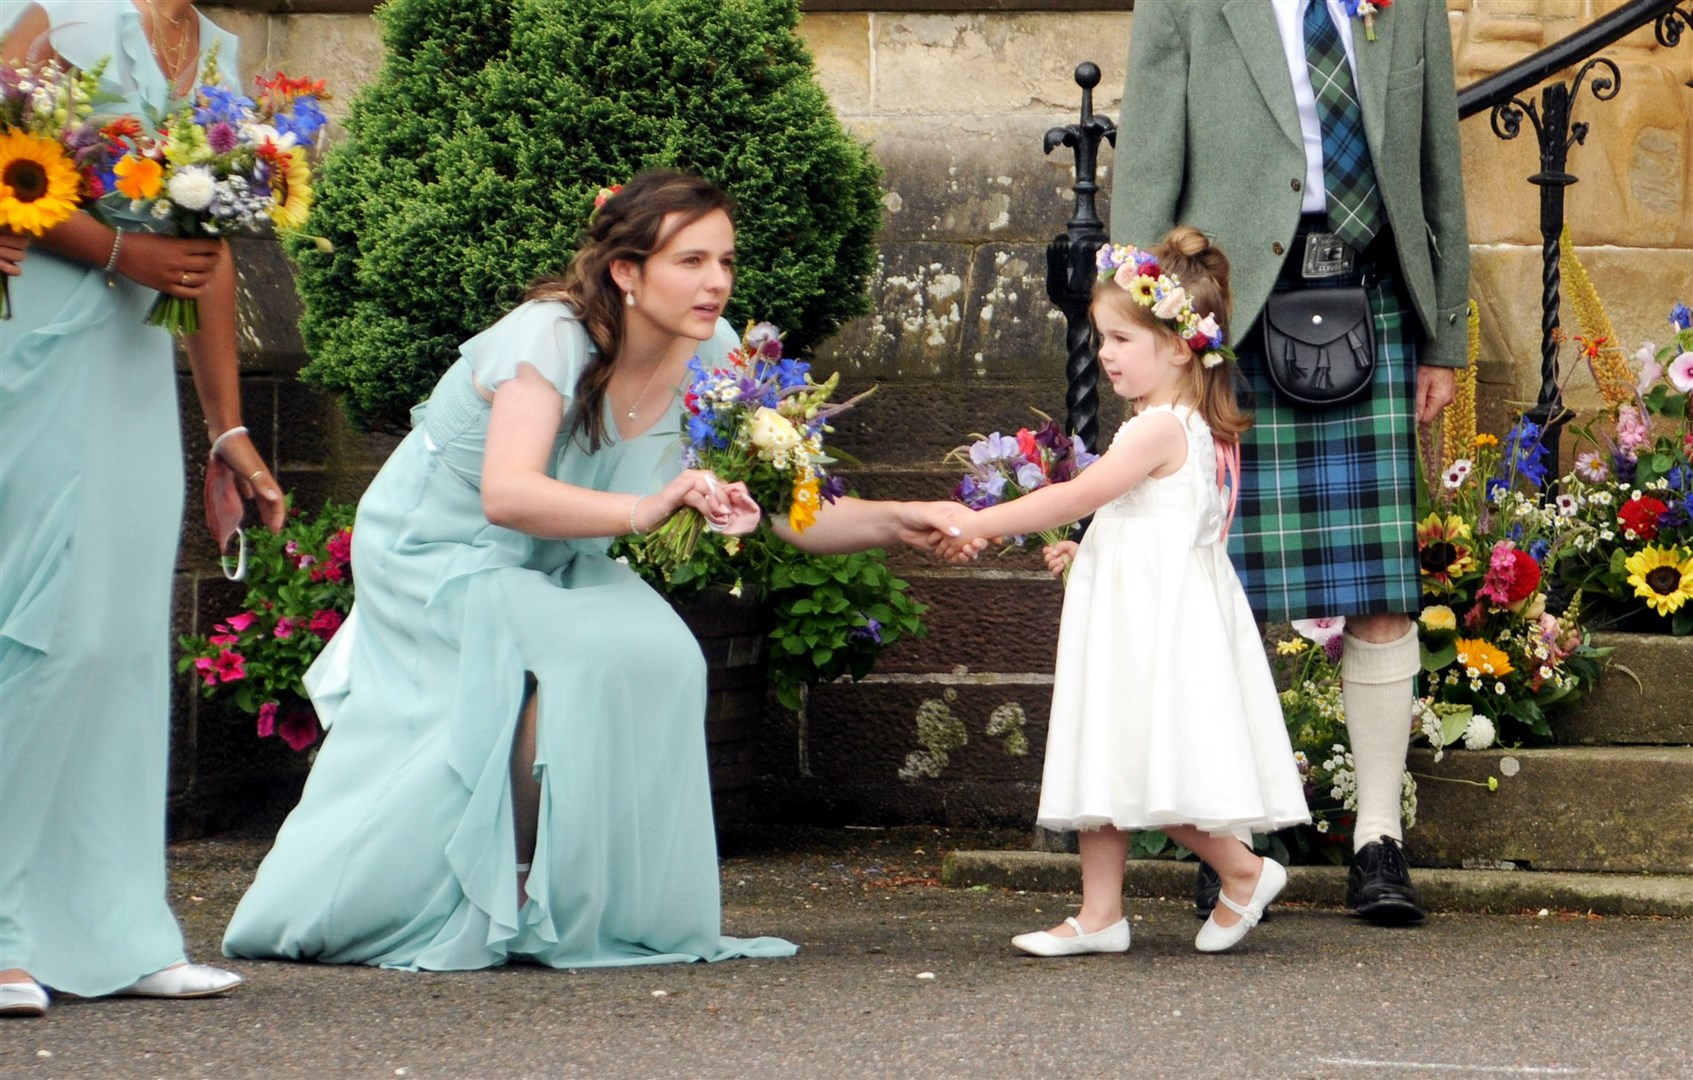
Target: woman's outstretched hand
<point>12,249</point>
<point>1059,556</point>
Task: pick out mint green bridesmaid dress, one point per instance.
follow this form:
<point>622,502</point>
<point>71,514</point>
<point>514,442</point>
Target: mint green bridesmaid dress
<point>91,496</point>
<point>401,852</point>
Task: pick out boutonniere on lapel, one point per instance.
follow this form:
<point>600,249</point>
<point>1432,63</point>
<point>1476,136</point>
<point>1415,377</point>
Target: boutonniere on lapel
<point>1366,10</point>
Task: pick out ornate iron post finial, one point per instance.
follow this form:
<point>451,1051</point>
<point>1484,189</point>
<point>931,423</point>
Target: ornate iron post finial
<point>1555,134</point>
<point>1070,260</point>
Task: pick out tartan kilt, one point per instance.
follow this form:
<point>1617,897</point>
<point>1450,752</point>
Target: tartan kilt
<point>1326,520</point>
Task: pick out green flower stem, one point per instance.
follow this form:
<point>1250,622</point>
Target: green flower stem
<point>177,315</point>
<point>1491,783</point>
<point>673,541</point>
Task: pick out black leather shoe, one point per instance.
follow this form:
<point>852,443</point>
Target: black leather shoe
<point>1379,886</point>
<point>1206,887</point>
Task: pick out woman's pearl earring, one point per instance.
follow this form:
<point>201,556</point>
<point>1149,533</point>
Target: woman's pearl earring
<point>629,299</point>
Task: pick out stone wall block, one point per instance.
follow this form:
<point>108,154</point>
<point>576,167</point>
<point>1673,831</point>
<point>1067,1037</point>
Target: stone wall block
<point>1633,167</point>
<point>995,63</point>
<point>911,423</point>
<point>1011,329</point>
<point>1501,206</point>
<point>269,308</point>
<point>977,178</point>
<point>840,44</point>
<point>983,618</point>
<point>918,294</point>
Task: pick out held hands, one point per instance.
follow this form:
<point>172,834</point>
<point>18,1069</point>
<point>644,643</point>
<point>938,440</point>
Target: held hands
<point>12,249</point>
<point>174,265</point>
<point>961,538</point>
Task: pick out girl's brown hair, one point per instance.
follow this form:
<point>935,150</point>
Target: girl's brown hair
<point>1188,255</point>
<point>632,225</point>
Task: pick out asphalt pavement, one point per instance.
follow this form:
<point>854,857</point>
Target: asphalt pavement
<point>898,976</point>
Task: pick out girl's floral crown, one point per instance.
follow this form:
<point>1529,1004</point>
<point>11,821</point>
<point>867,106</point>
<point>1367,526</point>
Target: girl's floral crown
<point>1137,273</point>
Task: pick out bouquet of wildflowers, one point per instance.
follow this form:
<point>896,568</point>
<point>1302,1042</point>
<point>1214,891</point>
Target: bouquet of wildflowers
<point>225,163</point>
<point>757,418</point>
<point>999,468</point>
<point>299,590</point>
<point>54,158</point>
<point>1627,497</point>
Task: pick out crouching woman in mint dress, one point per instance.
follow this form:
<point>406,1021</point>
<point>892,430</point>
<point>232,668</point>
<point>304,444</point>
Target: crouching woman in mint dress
<point>515,765</point>
<point>91,499</point>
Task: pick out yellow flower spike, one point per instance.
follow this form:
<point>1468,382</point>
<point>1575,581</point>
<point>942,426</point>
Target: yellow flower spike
<point>1457,425</point>
<point>39,185</point>
<point>1604,355</point>
<point>1661,578</point>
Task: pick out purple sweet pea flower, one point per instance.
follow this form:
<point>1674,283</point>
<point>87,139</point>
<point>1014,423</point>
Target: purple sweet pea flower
<point>871,631</point>
<point>995,448</point>
<point>1030,476</point>
<point>833,488</point>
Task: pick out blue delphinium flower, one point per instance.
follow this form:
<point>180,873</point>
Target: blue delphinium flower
<point>1680,317</point>
<point>1675,517</point>
<point>221,105</point>
<point>1525,453</point>
<point>304,120</point>
<point>1539,549</point>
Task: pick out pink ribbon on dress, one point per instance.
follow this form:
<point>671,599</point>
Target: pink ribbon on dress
<point>1228,475</point>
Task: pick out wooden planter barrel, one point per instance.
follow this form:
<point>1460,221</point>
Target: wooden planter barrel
<point>733,632</point>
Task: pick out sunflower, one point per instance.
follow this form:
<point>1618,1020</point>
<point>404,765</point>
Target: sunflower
<point>1660,579</point>
<point>291,190</point>
<point>1441,552</point>
<point>39,185</point>
<point>138,177</point>
<point>1479,658</point>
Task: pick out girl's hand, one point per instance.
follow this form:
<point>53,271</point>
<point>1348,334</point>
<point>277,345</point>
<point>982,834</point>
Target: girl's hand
<point>923,525</point>
<point>1059,556</point>
<point>174,265</point>
<point>12,249</point>
<point>958,539</point>
<point>254,481</point>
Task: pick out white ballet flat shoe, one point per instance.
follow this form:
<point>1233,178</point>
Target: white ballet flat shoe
<point>183,981</point>
<point>1213,938</point>
<point>22,999</point>
<point>1114,938</point>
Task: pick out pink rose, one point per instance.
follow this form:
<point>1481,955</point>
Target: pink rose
<point>1171,304</point>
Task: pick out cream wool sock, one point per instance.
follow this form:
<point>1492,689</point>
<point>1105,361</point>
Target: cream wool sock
<point>1376,687</point>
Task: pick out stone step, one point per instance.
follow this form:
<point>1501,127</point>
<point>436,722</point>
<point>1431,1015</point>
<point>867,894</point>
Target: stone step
<point>1623,809</point>
<point>1637,702</point>
<point>1489,891</point>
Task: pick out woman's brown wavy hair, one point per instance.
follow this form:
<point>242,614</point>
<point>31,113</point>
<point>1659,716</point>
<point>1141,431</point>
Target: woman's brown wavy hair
<point>632,225</point>
<point>1188,255</point>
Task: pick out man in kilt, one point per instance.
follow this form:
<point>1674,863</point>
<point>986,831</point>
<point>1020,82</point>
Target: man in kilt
<point>1316,141</point>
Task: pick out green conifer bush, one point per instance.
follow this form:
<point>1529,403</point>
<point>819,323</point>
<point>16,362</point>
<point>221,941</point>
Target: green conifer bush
<point>472,162</point>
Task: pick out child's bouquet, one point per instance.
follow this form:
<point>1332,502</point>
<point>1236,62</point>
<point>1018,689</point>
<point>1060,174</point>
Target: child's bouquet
<point>999,468</point>
<point>225,163</point>
<point>757,418</point>
<point>53,158</point>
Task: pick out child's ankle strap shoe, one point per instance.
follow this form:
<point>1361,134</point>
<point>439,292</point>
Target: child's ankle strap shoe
<point>1213,938</point>
<point>1114,938</point>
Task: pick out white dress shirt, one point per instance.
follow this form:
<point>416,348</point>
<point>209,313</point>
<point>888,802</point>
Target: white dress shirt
<point>1290,19</point>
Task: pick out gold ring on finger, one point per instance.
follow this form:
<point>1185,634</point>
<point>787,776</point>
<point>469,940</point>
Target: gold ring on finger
<point>254,475</point>
<point>185,278</point>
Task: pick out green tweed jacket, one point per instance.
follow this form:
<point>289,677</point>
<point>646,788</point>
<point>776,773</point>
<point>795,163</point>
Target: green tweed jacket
<point>1209,137</point>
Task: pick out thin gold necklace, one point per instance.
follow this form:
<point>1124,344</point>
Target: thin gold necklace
<point>172,59</point>
<point>636,407</point>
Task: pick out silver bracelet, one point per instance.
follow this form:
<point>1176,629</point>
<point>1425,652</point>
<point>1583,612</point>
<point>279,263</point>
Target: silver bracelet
<point>217,443</point>
<point>633,531</point>
<point>112,259</point>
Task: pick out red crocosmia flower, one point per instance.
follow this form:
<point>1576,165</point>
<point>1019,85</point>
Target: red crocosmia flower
<point>127,127</point>
<point>231,666</point>
<point>1525,577</point>
<point>1640,516</point>
<point>325,623</point>
<point>298,729</point>
<point>267,719</point>
<point>241,622</point>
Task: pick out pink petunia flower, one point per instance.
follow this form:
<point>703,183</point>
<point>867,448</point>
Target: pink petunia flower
<point>1650,370</point>
<point>231,666</point>
<point>267,719</point>
<point>340,546</point>
<point>325,623</point>
<point>1681,372</point>
<point>298,729</point>
<point>285,628</point>
<point>207,669</point>
<point>241,622</point>
<point>223,639</point>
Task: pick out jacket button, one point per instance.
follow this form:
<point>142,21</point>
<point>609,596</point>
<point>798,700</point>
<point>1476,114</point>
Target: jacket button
<point>1452,320</point>
<point>1276,249</point>
<point>1297,185</point>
